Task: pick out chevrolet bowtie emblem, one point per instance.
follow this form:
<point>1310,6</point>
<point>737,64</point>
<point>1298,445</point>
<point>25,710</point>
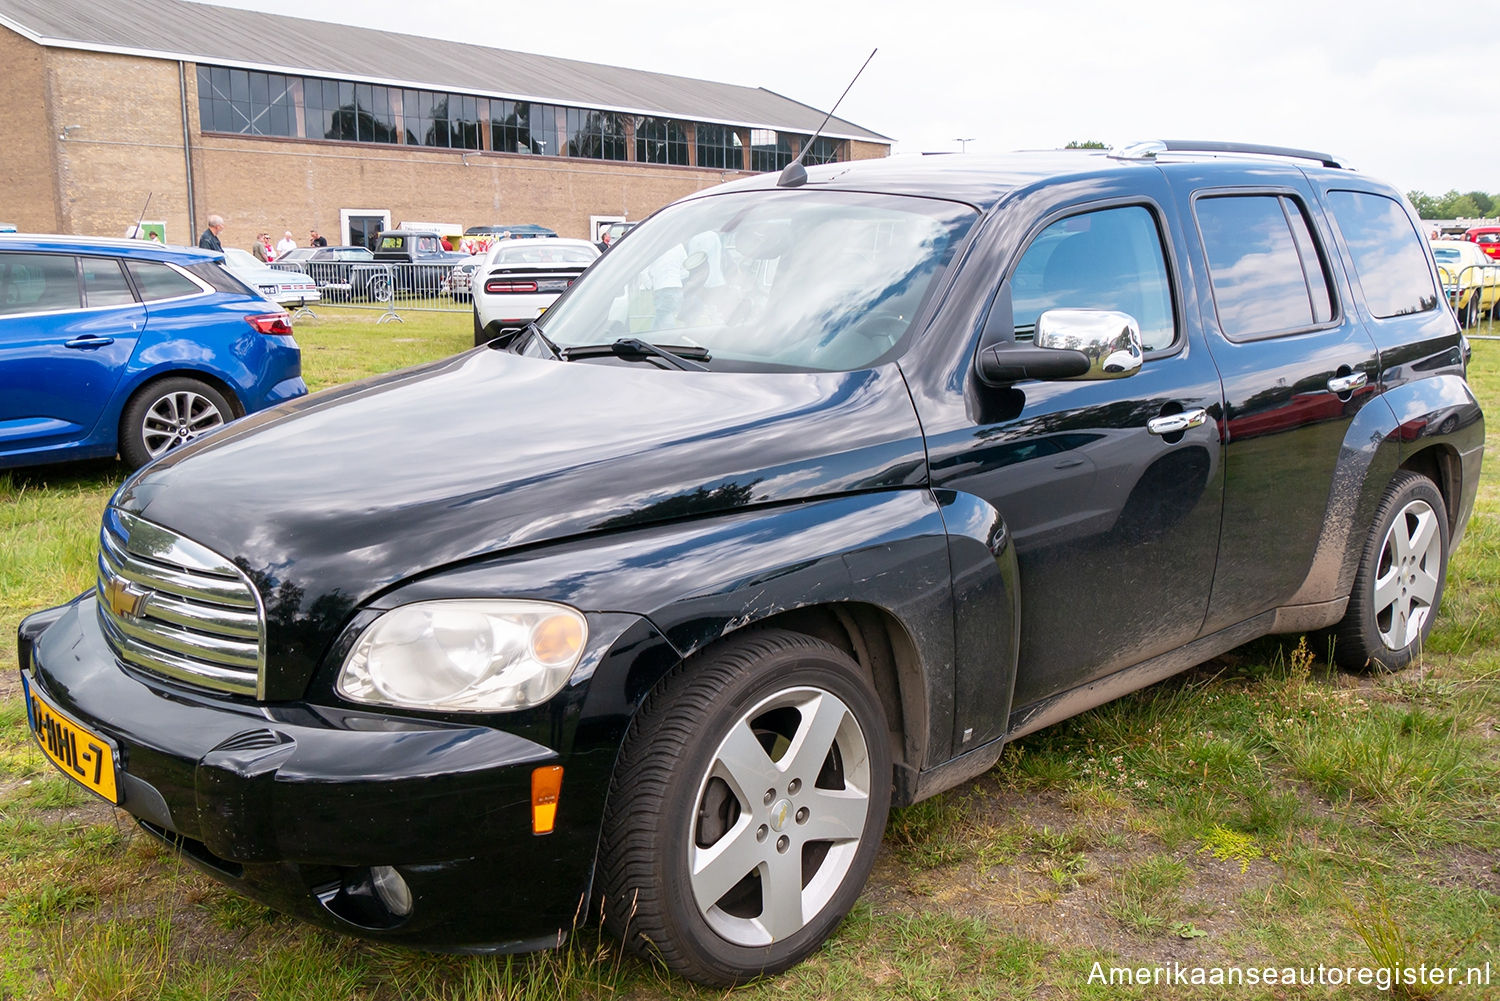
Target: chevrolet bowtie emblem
<point>125,599</point>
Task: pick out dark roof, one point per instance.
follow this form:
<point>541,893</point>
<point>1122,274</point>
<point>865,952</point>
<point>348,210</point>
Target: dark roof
<point>226,36</point>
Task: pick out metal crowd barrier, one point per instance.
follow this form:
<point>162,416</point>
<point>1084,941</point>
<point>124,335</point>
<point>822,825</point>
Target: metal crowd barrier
<point>392,288</point>
<point>1484,280</point>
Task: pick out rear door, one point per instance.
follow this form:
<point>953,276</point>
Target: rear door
<point>68,327</point>
<point>1297,366</point>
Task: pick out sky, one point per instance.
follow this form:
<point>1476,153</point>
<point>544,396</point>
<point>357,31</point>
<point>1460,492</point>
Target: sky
<point>1404,96</point>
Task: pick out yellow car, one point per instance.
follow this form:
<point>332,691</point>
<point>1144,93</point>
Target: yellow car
<point>1470,278</point>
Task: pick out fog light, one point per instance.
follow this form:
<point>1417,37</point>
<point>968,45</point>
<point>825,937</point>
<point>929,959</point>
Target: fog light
<point>391,889</point>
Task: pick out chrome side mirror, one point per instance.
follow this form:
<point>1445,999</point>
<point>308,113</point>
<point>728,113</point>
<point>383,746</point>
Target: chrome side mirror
<point>1111,340</point>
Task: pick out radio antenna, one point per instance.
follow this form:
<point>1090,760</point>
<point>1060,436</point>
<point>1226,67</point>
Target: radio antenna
<point>137,233</point>
<point>794,174</point>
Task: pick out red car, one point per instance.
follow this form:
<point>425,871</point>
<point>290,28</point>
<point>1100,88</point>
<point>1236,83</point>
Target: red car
<point>1488,238</point>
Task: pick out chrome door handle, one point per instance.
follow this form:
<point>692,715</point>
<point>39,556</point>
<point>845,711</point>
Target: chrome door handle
<point>88,341</point>
<point>1175,423</point>
<point>1347,383</point>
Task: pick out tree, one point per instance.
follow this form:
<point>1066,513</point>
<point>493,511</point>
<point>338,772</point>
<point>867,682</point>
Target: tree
<point>1485,202</point>
<point>1425,204</point>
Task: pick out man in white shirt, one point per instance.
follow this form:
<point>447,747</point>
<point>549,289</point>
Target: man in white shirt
<point>285,244</point>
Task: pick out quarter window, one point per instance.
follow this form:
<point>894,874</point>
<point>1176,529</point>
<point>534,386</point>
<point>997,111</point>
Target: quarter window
<point>1109,259</point>
<point>157,281</point>
<point>38,283</point>
<point>1267,273</point>
<point>1388,254</point>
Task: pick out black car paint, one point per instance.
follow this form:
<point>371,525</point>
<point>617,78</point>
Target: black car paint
<point>675,508</point>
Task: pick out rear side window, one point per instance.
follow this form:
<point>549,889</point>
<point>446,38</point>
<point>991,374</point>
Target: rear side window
<point>157,281</point>
<point>1267,273</point>
<point>38,283</point>
<point>1388,253</point>
<point>1109,259</point>
<point>104,283</point>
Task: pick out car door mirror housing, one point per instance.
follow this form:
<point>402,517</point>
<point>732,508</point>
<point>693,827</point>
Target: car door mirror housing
<point>1082,344</point>
<point>1111,340</point>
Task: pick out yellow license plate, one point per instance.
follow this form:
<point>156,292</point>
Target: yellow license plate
<point>84,757</point>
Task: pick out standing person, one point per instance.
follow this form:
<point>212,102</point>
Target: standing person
<point>286,244</point>
<point>314,239</point>
<point>210,238</point>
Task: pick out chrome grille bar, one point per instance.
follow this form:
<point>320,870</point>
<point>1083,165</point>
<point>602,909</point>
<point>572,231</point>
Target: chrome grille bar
<point>175,608</point>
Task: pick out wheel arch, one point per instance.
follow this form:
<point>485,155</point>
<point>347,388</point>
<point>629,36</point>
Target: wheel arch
<point>1408,427</point>
<point>880,644</point>
<point>224,387</point>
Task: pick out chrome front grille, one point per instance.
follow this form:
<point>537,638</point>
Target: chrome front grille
<point>173,607</point>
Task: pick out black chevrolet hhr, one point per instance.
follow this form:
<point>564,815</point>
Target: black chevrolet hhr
<point>800,503</point>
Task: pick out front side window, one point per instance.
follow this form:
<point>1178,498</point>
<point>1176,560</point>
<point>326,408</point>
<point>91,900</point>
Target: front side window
<point>813,280</point>
<point>38,283</point>
<point>1388,254</point>
<point>1267,273</point>
<point>1107,259</point>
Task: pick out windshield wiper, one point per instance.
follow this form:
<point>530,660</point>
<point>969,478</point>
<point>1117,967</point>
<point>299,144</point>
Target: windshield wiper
<point>535,330</point>
<point>683,356</point>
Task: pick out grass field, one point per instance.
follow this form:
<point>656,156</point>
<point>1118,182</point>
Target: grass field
<point>1264,809</point>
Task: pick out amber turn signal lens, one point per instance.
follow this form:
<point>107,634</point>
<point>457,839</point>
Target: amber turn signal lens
<point>557,639</point>
<point>546,784</point>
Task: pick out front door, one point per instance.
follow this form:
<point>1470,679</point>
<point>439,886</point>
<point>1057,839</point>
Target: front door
<point>1115,523</point>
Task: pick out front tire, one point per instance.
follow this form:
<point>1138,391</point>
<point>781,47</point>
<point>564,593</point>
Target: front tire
<point>1400,580</point>
<point>746,809</point>
<point>166,414</point>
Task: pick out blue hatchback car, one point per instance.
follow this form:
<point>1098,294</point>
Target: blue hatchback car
<point>129,347</point>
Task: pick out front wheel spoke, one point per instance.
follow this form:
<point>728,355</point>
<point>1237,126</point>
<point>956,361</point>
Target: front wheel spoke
<point>836,815</point>
<point>821,718</point>
<point>743,763</point>
<point>1426,533</point>
<point>1423,587</point>
<point>1388,588</point>
<point>781,895</point>
<point>209,418</point>
<point>723,864</point>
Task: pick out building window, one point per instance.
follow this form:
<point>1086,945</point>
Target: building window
<point>596,135</point>
<point>446,120</point>
<point>259,104</point>
<point>769,150</point>
<point>322,100</point>
<point>523,127</point>
<point>660,140</point>
<point>824,151</point>
<point>719,147</point>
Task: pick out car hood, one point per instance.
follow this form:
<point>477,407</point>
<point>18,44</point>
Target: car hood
<point>328,500</point>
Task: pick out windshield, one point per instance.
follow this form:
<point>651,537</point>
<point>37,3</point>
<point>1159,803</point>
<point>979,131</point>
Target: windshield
<point>807,279</point>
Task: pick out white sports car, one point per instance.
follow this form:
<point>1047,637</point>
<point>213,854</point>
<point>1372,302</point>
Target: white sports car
<point>518,279</point>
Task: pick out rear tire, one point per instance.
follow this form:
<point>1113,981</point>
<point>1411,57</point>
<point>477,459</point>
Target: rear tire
<point>1399,584</point>
<point>746,809</point>
<point>168,413</point>
<point>1469,319</point>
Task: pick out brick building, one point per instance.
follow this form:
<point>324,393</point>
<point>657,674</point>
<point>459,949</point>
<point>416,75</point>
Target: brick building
<point>281,123</point>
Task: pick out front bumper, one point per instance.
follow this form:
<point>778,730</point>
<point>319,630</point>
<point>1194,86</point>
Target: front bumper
<point>293,803</point>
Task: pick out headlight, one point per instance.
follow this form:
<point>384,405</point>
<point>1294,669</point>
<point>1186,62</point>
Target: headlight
<point>465,655</point>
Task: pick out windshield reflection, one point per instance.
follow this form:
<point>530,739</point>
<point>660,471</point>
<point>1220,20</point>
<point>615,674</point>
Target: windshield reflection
<point>809,280</point>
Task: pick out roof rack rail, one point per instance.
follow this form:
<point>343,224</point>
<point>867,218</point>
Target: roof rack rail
<point>1151,148</point>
